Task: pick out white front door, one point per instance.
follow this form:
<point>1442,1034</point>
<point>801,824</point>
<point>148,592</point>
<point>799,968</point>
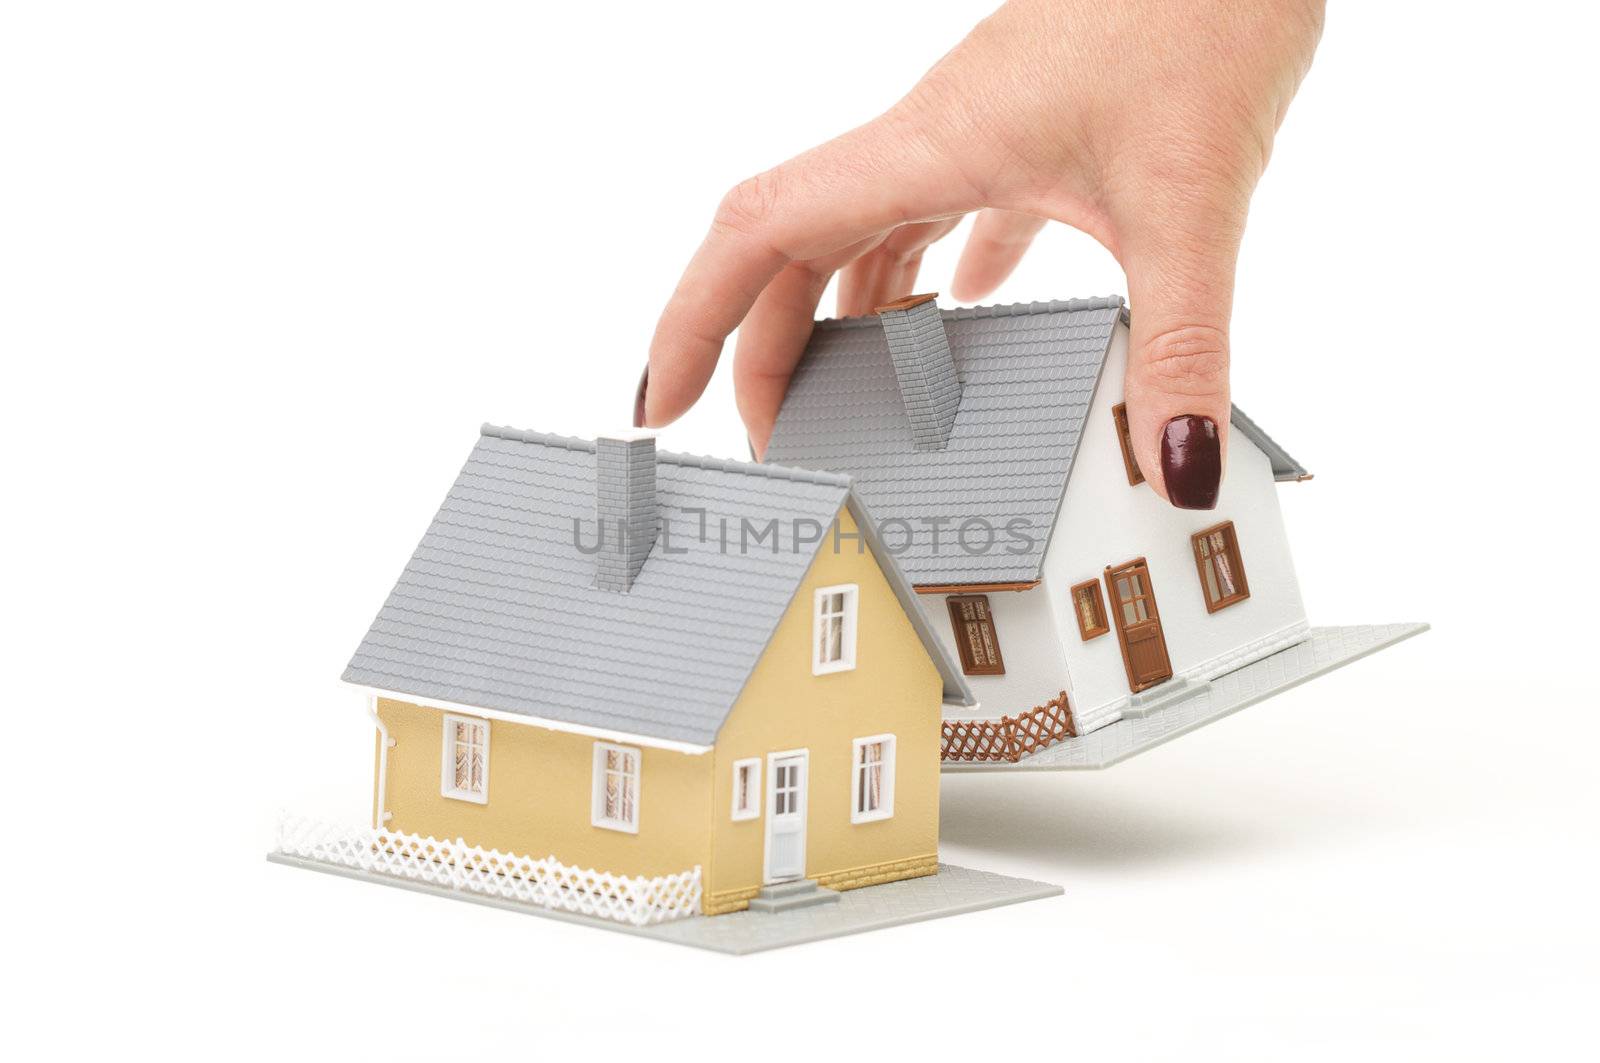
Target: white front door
<point>786,816</point>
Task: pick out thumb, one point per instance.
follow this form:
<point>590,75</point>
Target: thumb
<point>1180,288</point>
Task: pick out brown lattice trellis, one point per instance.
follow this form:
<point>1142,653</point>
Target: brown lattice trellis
<point>1010,738</point>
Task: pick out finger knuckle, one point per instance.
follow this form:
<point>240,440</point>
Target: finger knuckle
<point>901,255</point>
<point>1189,359</point>
<point>750,205</point>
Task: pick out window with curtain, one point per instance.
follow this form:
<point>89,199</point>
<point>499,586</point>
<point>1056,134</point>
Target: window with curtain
<point>616,787</point>
<point>1216,554</point>
<point>747,788</point>
<point>464,771</point>
<point>1119,414</point>
<point>874,779</point>
<point>1090,609</point>
<point>976,639</point>
<point>834,630</point>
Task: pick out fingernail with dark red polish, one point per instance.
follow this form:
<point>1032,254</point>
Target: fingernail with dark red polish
<point>1191,461</point>
<point>638,397</point>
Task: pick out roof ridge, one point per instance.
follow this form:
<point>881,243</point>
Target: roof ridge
<point>692,461</point>
<point>959,313</point>
<point>528,435</point>
<point>749,468</point>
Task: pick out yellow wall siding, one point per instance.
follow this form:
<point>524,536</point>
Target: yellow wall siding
<point>894,689</point>
<point>540,794</point>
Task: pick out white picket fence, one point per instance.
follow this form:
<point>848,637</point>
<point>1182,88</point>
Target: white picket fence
<point>547,883</point>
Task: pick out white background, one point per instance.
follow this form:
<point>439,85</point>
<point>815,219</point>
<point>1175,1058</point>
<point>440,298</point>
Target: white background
<point>264,268</point>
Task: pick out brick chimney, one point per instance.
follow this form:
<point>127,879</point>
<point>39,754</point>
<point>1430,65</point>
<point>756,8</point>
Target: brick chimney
<point>923,367</point>
<point>624,506</point>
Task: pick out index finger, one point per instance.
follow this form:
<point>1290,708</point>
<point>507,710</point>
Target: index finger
<point>818,204</point>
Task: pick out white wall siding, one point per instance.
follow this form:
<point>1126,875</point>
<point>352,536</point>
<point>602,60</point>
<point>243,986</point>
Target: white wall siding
<point>1036,668</point>
<point>1106,522</point>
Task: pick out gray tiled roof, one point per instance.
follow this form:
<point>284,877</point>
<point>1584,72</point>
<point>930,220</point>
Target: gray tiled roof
<point>497,608</point>
<point>1028,373</point>
<point>1284,467</point>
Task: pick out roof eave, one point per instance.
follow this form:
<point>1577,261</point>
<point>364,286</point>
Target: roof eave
<point>1284,468</point>
<point>531,720</point>
<point>974,588</point>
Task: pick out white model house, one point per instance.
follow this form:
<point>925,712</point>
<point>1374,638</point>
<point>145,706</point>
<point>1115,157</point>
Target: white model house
<point>989,443</point>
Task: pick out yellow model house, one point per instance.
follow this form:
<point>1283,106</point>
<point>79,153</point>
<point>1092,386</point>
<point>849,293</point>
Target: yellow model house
<point>643,662</point>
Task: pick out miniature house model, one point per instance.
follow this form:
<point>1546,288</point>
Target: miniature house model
<point>643,663</point>
<point>635,686</point>
<point>992,446</point>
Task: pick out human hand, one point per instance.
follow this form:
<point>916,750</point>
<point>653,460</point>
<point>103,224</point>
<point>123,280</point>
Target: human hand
<point>1144,123</point>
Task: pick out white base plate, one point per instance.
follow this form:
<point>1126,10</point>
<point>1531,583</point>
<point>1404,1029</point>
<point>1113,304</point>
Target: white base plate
<point>1325,649</point>
<point>953,891</point>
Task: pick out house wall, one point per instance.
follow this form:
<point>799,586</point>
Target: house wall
<point>894,689</point>
<point>1106,522</point>
<point>540,796</point>
<point>1030,647</point>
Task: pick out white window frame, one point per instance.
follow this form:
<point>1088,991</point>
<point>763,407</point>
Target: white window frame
<point>754,793</point>
<point>597,810</point>
<point>847,638</point>
<point>447,760</point>
<point>885,809</point>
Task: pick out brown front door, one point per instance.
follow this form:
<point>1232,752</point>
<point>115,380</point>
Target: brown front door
<point>1133,607</point>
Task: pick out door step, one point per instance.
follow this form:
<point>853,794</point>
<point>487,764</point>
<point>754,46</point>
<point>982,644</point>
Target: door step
<point>787,896</point>
<point>1160,696</point>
